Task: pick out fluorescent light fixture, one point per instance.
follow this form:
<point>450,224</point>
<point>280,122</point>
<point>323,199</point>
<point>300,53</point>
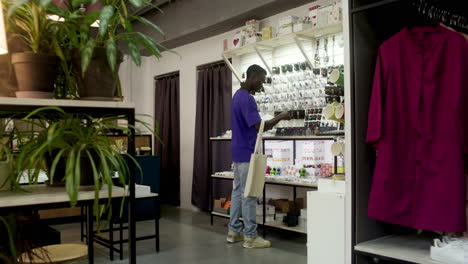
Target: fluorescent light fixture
<point>3,39</point>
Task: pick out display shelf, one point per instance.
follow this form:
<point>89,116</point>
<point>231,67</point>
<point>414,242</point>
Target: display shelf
<point>408,248</point>
<point>271,181</point>
<point>220,214</point>
<point>63,103</point>
<point>286,39</point>
<point>283,226</point>
<point>284,138</point>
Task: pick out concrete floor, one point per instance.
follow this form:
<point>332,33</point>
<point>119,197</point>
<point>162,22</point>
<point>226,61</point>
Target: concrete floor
<point>188,237</point>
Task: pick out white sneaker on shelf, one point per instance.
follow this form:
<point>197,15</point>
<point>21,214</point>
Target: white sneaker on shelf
<point>450,251</point>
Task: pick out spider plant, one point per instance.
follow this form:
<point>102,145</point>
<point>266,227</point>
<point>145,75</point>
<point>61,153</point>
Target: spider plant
<point>75,140</point>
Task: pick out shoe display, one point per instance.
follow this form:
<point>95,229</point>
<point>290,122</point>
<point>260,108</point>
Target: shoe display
<point>450,250</point>
<point>234,237</point>
<point>257,242</point>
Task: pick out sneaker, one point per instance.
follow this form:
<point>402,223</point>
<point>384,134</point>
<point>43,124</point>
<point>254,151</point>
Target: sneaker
<point>256,242</point>
<point>450,251</point>
<point>234,237</point>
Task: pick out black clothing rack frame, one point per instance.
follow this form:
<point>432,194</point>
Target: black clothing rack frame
<point>371,23</point>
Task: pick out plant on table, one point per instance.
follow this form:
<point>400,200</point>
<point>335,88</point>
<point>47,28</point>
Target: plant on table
<point>98,55</point>
<point>75,149</point>
<point>35,68</point>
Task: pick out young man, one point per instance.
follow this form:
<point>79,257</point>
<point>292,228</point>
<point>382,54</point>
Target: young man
<point>245,121</point>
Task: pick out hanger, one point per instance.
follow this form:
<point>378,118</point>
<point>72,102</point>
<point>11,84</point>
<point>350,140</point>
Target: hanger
<point>423,15</point>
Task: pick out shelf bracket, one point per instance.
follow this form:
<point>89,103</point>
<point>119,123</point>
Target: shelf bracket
<point>263,59</point>
<point>229,64</point>
<point>301,48</point>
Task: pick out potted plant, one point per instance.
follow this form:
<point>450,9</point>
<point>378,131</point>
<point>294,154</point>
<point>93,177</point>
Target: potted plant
<point>98,57</point>
<point>8,85</point>
<point>75,149</point>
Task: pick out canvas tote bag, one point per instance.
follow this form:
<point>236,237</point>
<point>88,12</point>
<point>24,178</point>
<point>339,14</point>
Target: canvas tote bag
<point>256,177</point>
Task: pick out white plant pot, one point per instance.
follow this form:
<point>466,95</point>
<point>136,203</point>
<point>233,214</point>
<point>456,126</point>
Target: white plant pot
<point>5,171</point>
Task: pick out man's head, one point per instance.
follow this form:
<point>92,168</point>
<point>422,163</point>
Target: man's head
<point>255,78</point>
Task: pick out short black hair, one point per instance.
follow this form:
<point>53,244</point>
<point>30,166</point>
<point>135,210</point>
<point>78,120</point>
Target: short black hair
<point>255,69</point>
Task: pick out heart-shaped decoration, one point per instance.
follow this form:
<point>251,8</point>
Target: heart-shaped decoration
<point>236,42</point>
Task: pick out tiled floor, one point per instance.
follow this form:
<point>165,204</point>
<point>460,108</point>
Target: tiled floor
<point>187,237</point>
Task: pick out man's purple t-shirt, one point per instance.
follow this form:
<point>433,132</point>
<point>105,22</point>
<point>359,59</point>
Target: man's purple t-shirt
<point>244,117</point>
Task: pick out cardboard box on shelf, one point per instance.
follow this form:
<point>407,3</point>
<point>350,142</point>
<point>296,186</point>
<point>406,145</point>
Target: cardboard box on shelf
<point>252,39</point>
<point>287,20</point>
<point>283,205</point>
<point>286,29</point>
<point>267,33</point>
<point>301,27</point>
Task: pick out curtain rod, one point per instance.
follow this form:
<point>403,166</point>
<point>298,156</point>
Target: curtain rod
<point>374,5</point>
<point>208,65</point>
<point>170,74</point>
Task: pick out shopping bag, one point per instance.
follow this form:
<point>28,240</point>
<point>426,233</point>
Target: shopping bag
<point>257,167</point>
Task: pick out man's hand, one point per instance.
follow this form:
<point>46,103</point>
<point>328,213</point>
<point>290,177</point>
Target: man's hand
<point>284,116</point>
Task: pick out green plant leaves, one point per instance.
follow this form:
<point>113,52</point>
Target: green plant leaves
<point>111,52</point>
<point>15,6</point>
<point>150,24</point>
<point>86,55</point>
<point>136,3</point>
<point>106,14</point>
<point>134,51</point>
<point>148,43</point>
<point>44,3</point>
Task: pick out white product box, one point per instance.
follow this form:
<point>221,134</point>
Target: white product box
<point>331,186</point>
<point>252,39</point>
<point>301,27</point>
<point>238,40</point>
<point>323,15</point>
<point>287,20</point>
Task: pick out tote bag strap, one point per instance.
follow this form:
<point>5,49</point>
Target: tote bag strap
<point>258,144</point>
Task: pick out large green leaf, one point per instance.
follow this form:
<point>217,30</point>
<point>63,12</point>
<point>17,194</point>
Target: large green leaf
<point>150,24</point>
<point>134,51</point>
<point>86,55</point>
<point>44,3</point>
<point>111,51</point>
<point>147,42</point>
<point>148,3</point>
<point>106,14</point>
<point>58,11</point>
<point>136,3</point>
<point>15,6</point>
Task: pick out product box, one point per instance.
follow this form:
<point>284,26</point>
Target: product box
<point>283,205</point>
<point>313,12</point>
<point>288,20</point>
<point>326,170</point>
<point>267,33</point>
<point>238,40</point>
<point>251,27</point>
<point>298,27</point>
<point>323,15</point>
<point>252,39</point>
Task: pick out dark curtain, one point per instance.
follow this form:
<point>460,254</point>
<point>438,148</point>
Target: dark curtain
<point>167,114</point>
<point>213,117</point>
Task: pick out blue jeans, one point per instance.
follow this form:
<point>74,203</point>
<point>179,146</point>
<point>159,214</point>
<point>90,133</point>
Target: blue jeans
<point>240,203</point>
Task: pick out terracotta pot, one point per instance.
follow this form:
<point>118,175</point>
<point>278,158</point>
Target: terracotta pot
<point>35,74</point>
<point>98,83</point>
<point>8,85</point>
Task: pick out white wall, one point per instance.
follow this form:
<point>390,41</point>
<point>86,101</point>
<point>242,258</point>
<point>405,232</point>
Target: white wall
<point>138,86</point>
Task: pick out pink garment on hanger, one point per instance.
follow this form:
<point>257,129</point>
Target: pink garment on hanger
<point>418,122</point>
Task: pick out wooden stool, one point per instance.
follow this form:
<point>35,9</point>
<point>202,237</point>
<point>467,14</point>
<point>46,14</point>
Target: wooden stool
<point>60,253</point>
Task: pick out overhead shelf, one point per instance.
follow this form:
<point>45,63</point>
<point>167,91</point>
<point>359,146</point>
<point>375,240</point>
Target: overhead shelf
<point>11,101</point>
<point>286,39</point>
<point>409,248</point>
